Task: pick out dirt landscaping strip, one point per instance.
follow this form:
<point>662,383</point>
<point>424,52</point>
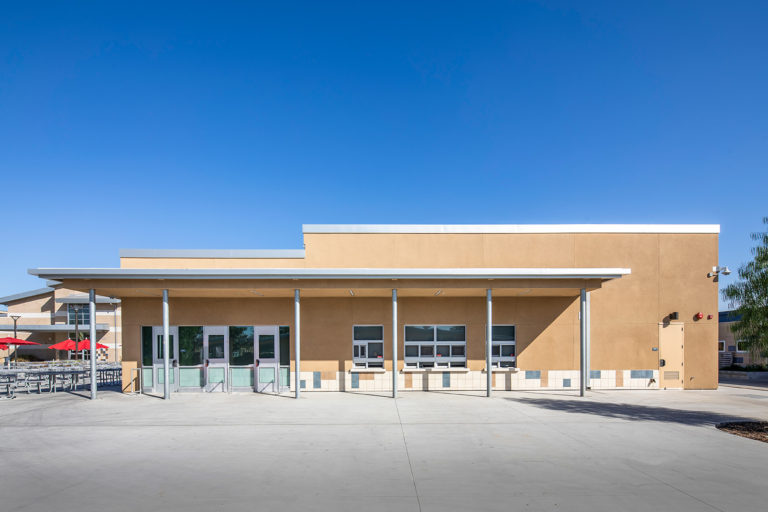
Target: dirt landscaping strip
<point>752,429</point>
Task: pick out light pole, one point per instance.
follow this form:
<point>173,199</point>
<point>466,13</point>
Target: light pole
<point>77,328</point>
<point>16,350</point>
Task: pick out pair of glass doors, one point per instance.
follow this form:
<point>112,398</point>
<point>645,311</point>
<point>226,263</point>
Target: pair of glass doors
<point>220,358</point>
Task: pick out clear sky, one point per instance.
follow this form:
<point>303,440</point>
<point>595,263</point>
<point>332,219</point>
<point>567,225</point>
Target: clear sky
<point>226,125</point>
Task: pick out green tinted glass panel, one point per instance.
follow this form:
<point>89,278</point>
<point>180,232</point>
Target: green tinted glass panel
<point>190,377</point>
<point>266,346</point>
<point>419,333</point>
<point>161,376</point>
<point>285,345</point>
<point>215,375</point>
<point>240,345</point>
<point>285,376</point>
<point>266,375</point>
<point>146,377</point>
<point>368,332</point>
<point>242,377</point>
<point>160,344</point>
<point>216,346</point>
<point>146,346</point>
<point>451,333</point>
<point>190,346</point>
<point>503,333</point>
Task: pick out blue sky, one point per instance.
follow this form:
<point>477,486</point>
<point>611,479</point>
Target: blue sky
<point>226,125</point>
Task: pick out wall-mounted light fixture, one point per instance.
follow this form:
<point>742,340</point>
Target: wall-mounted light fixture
<point>716,271</point>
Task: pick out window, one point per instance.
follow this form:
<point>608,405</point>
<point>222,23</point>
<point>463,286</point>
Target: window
<point>741,346</point>
<point>721,345</point>
<point>435,346</point>
<point>83,314</point>
<point>240,345</point>
<point>368,346</point>
<point>190,346</point>
<point>503,353</point>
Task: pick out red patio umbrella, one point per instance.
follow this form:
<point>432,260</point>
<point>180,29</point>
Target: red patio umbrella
<point>16,341</point>
<point>3,347</point>
<point>71,345</point>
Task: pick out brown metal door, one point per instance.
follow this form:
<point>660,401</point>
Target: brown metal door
<point>671,342</point>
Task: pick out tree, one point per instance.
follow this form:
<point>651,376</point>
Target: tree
<point>750,296</point>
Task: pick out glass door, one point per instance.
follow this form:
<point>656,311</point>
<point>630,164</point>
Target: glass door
<point>216,350</point>
<point>158,363</point>
<point>267,358</point>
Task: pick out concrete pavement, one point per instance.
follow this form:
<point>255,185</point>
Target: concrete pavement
<point>613,450</point>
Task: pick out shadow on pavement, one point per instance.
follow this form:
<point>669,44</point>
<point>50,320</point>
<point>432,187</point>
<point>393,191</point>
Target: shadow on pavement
<point>631,412</point>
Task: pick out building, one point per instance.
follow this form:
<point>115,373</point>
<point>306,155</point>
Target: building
<point>733,351</point>
<point>48,315</point>
<point>648,308</point>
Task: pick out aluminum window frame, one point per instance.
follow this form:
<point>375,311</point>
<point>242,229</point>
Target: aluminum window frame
<point>739,348</point>
<point>722,343</point>
<point>359,361</point>
<point>500,361</point>
<point>434,360</point>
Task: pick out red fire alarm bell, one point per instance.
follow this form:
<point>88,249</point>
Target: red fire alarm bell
<point>699,315</point>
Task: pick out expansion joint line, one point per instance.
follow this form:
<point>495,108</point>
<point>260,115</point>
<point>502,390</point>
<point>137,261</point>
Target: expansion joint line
<point>407,455</point>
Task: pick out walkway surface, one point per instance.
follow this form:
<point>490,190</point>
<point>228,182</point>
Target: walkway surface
<point>614,450</point>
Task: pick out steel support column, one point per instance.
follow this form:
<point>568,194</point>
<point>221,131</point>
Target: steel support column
<point>394,343</point>
<point>94,373</point>
<point>166,348</point>
<point>583,341</point>
<point>488,341</point>
<point>589,338</point>
<point>297,337</point>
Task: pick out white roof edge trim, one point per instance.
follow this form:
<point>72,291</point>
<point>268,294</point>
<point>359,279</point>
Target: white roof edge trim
<point>333,273</point>
<point>212,253</point>
<point>511,228</point>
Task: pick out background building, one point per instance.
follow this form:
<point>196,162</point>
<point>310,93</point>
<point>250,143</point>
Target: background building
<point>733,351</point>
<point>48,315</point>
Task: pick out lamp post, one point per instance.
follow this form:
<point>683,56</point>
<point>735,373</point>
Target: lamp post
<point>16,350</point>
<point>77,328</point>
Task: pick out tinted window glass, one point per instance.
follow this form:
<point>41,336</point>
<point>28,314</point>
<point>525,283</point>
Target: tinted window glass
<point>240,345</point>
<point>507,350</point>
<point>375,350</point>
<point>450,333</point>
<point>369,332</point>
<point>412,350</point>
<point>146,346</point>
<point>503,333</point>
<point>216,346</point>
<point>419,333</point>
<point>285,345</point>
<point>190,346</point>
<point>266,346</point>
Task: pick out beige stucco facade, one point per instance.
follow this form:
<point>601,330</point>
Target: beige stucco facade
<point>43,318</point>
<point>668,273</point>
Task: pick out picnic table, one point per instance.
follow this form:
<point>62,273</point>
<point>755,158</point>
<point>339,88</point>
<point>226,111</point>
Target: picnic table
<point>51,376</point>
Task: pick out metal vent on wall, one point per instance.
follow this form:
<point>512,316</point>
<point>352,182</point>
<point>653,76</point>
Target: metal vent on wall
<point>671,375</point>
